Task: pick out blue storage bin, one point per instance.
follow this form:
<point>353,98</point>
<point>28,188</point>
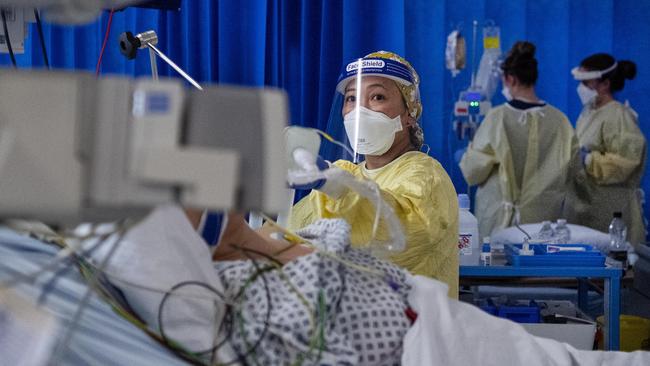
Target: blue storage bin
<point>520,314</point>
<point>488,306</point>
<point>555,255</point>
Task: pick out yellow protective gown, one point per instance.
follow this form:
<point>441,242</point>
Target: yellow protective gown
<point>423,198</point>
<point>523,162</point>
<point>613,169</point>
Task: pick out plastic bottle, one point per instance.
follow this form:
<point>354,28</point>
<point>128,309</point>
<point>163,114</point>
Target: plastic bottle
<point>546,233</point>
<point>468,248</point>
<point>526,249</point>
<point>618,239</point>
<point>486,252</point>
<point>562,232</point>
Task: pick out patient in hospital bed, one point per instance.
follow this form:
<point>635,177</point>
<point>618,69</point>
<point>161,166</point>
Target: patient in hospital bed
<point>327,305</point>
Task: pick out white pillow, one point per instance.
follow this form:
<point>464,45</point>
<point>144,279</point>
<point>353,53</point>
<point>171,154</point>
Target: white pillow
<point>160,252</point>
<point>579,235</point>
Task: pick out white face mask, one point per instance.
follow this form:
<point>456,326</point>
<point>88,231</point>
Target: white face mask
<point>586,95</point>
<point>506,93</point>
<point>373,133</point>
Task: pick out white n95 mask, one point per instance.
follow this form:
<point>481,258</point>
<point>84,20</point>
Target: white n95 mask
<point>586,95</point>
<point>373,133</point>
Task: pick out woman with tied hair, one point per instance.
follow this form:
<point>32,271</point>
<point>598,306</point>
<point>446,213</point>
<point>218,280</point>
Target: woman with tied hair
<point>612,148</point>
<point>523,155</point>
<point>380,113</point>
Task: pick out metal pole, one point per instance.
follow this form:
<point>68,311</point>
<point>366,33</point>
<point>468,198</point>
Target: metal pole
<point>154,65</point>
<point>174,66</point>
<point>474,55</point>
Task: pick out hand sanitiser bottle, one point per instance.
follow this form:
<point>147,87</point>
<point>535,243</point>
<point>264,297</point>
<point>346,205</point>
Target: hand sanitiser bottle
<point>468,243</point>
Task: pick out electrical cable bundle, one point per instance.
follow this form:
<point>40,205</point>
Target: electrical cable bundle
<point>7,39</point>
<point>39,27</point>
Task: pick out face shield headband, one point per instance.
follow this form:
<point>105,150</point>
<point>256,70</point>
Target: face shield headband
<point>581,75</point>
<point>375,66</point>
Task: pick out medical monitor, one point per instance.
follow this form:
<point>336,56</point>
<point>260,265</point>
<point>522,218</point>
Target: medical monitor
<point>252,122</point>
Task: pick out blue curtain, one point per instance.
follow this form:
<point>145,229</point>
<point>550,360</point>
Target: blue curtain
<point>300,45</point>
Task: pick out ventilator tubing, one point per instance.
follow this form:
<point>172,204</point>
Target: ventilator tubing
<point>366,189</point>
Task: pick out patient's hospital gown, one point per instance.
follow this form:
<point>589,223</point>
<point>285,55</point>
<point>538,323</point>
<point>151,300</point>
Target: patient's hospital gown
<point>362,315</point>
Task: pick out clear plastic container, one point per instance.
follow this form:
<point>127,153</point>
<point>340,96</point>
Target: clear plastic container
<point>562,232</point>
<point>618,239</point>
<point>486,253</point>
<point>468,241</point>
<point>546,234</point>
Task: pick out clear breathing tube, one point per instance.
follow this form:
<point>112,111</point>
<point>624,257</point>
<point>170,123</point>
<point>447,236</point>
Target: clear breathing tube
<point>367,189</point>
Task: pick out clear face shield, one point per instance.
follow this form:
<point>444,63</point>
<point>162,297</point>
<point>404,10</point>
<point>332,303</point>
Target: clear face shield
<point>367,109</point>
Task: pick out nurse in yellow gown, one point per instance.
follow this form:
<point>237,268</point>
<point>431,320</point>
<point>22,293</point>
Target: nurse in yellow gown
<point>613,149</point>
<point>385,102</point>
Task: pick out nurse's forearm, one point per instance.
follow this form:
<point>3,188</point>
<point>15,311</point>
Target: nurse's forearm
<point>610,168</point>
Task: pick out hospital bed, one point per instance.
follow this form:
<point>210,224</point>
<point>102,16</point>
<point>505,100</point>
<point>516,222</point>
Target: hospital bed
<point>110,149</point>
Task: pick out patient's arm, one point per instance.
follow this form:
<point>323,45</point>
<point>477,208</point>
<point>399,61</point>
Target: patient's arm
<point>239,235</point>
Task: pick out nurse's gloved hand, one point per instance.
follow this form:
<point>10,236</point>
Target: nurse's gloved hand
<point>310,165</point>
<point>583,155</point>
<point>310,176</point>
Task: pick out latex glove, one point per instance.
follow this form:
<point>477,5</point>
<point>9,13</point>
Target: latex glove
<point>583,155</point>
<point>310,166</point>
<point>309,163</point>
